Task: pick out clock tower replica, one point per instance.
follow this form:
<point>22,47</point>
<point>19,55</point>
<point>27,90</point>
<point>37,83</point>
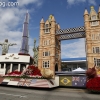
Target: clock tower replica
<point>92,29</point>
<point>49,59</point>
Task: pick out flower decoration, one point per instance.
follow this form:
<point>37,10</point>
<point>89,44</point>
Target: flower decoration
<point>93,80</point>
<point>14,73</point>
<point>93,84</point>
<point>32,71</point>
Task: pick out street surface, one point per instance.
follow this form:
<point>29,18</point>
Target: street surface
<point>16,93</point>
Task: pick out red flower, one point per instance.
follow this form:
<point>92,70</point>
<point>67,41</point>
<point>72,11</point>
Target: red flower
<point>32,70</point>
<point>93,84</point>
<point>14,73</point>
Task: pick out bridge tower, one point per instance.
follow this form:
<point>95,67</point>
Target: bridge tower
<point>92,30</point>
<point>49,47</point>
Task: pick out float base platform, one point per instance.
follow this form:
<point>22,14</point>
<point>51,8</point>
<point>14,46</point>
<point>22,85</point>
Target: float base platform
<point>26,82</point>
<point>65,79</point>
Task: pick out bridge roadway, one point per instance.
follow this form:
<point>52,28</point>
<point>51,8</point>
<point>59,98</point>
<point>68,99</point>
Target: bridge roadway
<point>16,93</point>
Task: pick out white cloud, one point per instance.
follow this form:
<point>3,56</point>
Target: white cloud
<point>11,19</point>
<point>75,49</point>
<point>73,2</point>
<point>4,0</point>
<point>9,15</point>
<point>92,2</point>
<point>26,2</point>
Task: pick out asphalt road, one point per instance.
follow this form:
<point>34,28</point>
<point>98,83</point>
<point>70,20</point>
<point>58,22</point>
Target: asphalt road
<point>14,93</point>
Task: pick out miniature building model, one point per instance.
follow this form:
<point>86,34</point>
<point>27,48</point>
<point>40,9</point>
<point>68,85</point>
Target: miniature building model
<point>17,62</point>
<point>92,29</point>
<point>49,47</point>
<point>25,47</point>
<point>14,62</point>
<point>51,35</point>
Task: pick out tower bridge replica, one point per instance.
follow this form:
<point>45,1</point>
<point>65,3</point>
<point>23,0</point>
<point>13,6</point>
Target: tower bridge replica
<point>44,69</point>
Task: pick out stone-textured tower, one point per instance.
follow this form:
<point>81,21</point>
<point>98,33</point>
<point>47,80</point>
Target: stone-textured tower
<point>49,47</point>
<point>92,29</point>
<point>25,47</point>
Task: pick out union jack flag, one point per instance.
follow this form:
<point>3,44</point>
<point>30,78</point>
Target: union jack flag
<point>75,79</point>
<point>39,83</point>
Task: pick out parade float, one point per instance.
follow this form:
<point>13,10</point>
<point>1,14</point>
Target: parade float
<point>20,69</point>
<point>43,70</point>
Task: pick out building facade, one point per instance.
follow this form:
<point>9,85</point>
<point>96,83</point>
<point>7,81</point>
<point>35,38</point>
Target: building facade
<point>49,47</point>
<point>14,62</point>
<point>50,42</point>
<point>92,29</point>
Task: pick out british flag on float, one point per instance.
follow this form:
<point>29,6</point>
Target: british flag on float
<point>43,83</point>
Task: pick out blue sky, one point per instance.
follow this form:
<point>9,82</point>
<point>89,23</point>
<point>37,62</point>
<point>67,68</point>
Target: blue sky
<point>68,13</point>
